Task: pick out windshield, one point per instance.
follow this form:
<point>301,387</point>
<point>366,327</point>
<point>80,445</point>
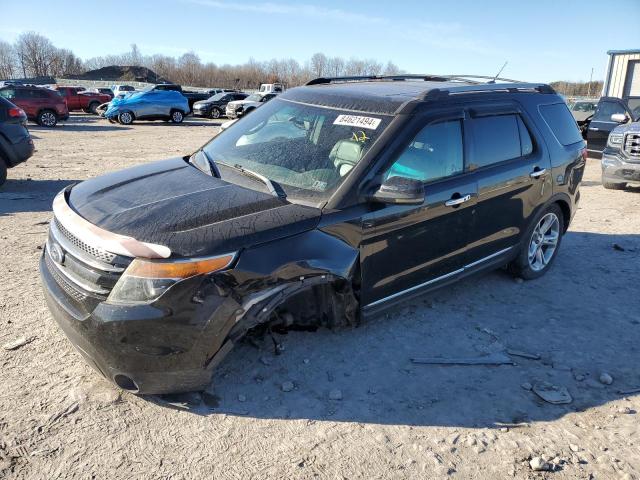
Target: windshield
<point>583,107</point>
<point>217,96</point>
<point>308,150</point>
<point>254,98</point>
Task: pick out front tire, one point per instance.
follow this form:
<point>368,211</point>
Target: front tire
<point>216,113</point>
<point>614,186</point>
<point>540,244</point>
<point>47,118</point>
<point>125,118</point>
<point>93,108</point>
<point>177,116</point>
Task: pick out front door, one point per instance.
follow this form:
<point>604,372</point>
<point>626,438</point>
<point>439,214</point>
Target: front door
<point>407,248</point>
<point>601,123</point>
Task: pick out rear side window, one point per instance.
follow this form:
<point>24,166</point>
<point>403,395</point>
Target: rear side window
<point>498,138</point>
<point>561,122</point>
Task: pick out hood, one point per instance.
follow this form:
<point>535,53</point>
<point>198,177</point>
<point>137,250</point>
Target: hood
<point>174,204</point>
<point>632,127</point>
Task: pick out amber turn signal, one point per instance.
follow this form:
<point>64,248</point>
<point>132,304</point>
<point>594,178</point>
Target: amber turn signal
<point>178,269</point>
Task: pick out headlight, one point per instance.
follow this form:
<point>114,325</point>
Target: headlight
<point>146,280</point>
<point>615,140</point>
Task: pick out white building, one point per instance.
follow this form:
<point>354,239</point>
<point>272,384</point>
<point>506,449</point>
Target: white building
<point>623,74</point>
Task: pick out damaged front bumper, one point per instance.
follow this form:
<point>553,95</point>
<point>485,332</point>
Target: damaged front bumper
<point>618,169</point>
<point>170,345</point>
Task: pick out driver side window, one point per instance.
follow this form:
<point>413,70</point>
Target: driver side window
<point>435,152</point>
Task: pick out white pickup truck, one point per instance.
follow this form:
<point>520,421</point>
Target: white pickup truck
<point>238,108</point>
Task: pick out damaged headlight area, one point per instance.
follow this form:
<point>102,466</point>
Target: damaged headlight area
<point>146,280</point>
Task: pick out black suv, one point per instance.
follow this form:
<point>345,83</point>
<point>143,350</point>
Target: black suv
<point>16,144</point>
<point>214,106</point>
<point>333,201</point>
<point>609,113</point>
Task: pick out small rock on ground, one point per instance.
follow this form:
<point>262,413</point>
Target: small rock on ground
<point>538,464</point>
<point>605,378</point>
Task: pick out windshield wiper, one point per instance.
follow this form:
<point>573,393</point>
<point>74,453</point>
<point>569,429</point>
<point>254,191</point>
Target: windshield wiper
<point>274,187</point>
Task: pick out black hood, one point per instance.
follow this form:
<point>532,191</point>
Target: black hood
<point>172,203</point>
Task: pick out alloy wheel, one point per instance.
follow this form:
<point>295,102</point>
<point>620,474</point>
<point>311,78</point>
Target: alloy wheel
<point>215,113</point>
<point>177,117</point>
<point>48,119</point>
<point>544,241</point>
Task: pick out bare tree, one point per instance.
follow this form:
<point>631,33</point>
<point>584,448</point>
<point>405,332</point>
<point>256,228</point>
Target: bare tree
<point>35,53</point>
<point>319,64</point>
<point>7,60</point>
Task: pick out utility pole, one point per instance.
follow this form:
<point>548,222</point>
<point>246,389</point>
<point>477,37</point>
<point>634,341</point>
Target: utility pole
<point>589,86</point>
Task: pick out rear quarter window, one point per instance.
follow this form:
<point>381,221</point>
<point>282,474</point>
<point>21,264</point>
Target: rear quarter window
<point>561,123</point>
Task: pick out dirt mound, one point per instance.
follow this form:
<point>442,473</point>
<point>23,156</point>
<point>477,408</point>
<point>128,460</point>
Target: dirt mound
<point>122,73</point>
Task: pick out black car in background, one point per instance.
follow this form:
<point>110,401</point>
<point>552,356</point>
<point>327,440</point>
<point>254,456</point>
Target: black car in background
<point>331,202</point>
<point>16,144</point>
<point>602,123</point>
<point>214,107</point>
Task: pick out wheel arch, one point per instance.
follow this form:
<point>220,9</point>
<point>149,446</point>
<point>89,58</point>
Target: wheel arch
<point>564,202</point>
<point>276,272</point>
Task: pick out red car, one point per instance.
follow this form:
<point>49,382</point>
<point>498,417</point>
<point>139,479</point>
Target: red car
<point>78,99</point>
<point>43,106</point>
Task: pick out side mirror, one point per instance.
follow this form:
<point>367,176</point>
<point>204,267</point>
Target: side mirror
<point>619,118</point>
<point>401,191</point>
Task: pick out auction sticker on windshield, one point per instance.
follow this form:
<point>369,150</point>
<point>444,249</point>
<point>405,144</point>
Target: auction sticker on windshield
<point>357,121</point>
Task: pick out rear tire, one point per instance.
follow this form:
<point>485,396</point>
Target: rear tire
<point>125,118</point>
<point>614,186</point>
<point>540,244</point>
<point>216,113</point>
<point>177,116</point>
<point>93,108</point>
<point>47,118</point>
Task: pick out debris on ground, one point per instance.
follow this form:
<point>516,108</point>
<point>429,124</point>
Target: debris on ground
<point>518,353</point>
<point>605,378</point>
<point>553,394</point>
<point>17,343</point>
<point>335,394</point>
<point>494,359</point>
<point>538,464</point>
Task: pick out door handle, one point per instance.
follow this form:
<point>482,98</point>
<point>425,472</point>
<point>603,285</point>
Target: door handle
<point>538,173</point>
<point>594,129</point>
<point>457,201</point>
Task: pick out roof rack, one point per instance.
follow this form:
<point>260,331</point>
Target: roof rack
<point>472,79</point>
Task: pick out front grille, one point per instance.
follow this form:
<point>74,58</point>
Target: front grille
<point>70,290</point>
<point>98,253</point>
<point>632,145</point>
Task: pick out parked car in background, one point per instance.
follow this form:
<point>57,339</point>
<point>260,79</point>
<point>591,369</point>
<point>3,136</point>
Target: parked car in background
<point>83,100</point>
<point>105,91</point>
<point>190,95</point>
<point>42,105</point>
<point>272,88</point>
<point>148,105</point>
<point>602,123</point>
<point>238,108</point>
<point>621,156</point>
<point>215,106</point>
<point>582,111</point>
<point>370,194</point>
<point>16,144</point>
<point>119,91</point>
<point>215,91</point>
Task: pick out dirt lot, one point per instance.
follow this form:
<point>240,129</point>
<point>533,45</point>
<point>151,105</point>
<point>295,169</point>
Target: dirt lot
<point>59,419</point>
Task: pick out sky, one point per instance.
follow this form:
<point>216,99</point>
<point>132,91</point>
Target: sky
<point>541,41</point>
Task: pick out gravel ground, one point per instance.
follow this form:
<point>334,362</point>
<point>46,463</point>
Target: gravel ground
<point>343,404</point>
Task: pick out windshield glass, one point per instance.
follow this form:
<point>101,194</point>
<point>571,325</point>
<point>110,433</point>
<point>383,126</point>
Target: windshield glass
<point>308,150</point>
<point>217,96</point>
<point>254,98</point>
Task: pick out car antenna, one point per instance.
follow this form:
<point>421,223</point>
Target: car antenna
<point>493,80</point>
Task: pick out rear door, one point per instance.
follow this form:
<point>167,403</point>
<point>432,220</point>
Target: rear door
<point>408,247</point>
<point>601,123</point>
<point>513,173</point>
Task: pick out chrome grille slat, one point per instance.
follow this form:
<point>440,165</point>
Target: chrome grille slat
<point>632,144</point>
<point>67,286</point>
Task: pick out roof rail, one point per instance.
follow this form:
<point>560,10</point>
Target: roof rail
<point>488,88</point>
<point>473,79</point>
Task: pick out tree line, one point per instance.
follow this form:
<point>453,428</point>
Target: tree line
<point>34,55</point>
